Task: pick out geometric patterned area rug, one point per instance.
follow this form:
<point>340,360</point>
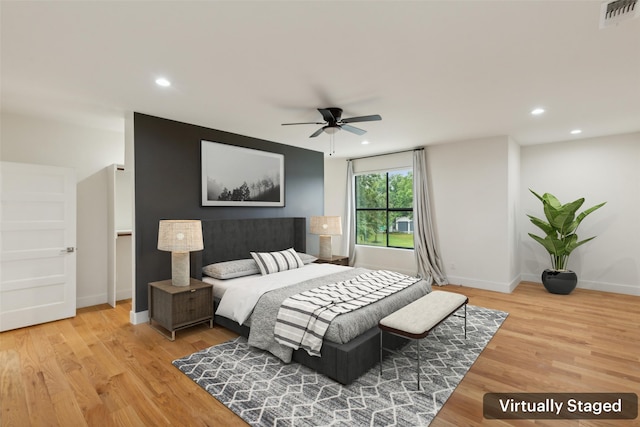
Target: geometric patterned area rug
<point>264,391</point>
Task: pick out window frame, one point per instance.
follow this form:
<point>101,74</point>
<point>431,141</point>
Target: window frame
<point>385,209</point>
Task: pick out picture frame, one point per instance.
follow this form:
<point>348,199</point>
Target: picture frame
<point>240,176</point>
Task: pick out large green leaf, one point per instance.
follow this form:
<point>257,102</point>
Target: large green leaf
<point>543,242</point>
<point>575,244</point>
<point>560,227</point>
<point>561,217</point>
<point>583,215</point>
<point>552,244</point>
<point>551,200</point>
<point>543,225</point>
<point>570,243</point>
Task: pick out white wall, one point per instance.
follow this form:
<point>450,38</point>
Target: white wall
<point>480,198</point>
<point>473,211</point>
<point>514,216</point>
<point>335,190</point>
<point>603,169</point>
<point>89,151</point>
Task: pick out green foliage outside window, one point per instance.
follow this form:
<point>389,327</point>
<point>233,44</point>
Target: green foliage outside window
<point>384,209</point>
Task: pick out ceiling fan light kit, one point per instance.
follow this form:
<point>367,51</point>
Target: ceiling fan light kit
<point>331,129</point>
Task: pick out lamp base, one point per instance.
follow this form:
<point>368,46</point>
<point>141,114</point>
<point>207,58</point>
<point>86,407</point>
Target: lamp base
<point>325,248</point>
<point>180,269</point>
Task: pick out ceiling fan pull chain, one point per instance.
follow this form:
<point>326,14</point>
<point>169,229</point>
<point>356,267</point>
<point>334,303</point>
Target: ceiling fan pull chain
<point>332,149</point>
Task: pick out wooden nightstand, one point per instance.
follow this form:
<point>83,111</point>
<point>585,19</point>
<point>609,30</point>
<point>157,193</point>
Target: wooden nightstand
<point>335,259</point>
<point>178,307</point>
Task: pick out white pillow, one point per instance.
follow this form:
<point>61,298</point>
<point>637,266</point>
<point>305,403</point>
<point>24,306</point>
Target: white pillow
<point>306,258</point>
<point>231,269</point>
<point>273,262</point>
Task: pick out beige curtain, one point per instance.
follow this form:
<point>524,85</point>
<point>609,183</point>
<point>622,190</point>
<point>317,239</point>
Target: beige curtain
<point>424,241</point>
<point>349,215</point>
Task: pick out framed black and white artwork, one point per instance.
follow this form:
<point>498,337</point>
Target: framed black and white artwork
<point>239,176</point>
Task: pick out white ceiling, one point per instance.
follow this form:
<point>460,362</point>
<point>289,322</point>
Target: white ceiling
<point>436,71</point>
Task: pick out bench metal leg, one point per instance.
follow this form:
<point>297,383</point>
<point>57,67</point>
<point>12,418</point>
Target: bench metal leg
<point>380,352</point>
<point>418,351</point>
<point>417,341</point>
<point>465,321</point>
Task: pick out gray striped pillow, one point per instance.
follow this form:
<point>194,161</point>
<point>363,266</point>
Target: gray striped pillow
<point>273,262</point>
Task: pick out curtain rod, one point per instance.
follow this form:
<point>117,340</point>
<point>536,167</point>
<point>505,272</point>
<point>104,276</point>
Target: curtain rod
<point>385,154</point>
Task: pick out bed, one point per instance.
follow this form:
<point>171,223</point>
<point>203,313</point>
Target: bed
<point>230,240</point>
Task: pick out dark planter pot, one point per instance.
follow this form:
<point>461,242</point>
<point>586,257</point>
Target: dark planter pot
<point>559,282</point>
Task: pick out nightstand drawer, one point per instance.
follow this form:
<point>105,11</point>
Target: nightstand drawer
<point>192,305</point>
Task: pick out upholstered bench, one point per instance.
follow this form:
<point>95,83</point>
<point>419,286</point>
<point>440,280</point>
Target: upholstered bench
<point>416,320</point>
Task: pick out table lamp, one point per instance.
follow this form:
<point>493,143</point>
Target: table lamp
<point>326,226</point>
<point>180,236</point>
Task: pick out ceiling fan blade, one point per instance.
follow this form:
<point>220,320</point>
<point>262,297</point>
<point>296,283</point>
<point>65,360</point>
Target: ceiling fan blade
<point>303,123</point>
<point>371,118</point>
<point>327,115</point>
<point>353,129</point>
<point>316,133</point>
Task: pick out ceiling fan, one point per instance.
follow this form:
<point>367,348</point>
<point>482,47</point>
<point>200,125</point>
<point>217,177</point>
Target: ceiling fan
<point>333,122</point>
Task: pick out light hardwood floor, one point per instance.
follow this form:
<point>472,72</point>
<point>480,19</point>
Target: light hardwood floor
<point>97,369</point>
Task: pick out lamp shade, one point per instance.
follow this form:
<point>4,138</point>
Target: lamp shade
<point>180,235</point>
<point>326,225</point>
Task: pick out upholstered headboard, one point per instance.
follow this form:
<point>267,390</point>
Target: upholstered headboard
<point>229,239</point>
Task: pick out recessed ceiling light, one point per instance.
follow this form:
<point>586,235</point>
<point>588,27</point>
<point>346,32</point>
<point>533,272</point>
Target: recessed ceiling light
<point>365,142</point>
<point>161,81</point>
<point>576,131</point>
<point>537,111</point>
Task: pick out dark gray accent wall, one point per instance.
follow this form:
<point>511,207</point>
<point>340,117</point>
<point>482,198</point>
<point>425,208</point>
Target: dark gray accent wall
<point>167,186</point>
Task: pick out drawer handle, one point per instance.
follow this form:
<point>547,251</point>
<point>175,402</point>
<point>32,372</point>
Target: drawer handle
<point>193,290</point>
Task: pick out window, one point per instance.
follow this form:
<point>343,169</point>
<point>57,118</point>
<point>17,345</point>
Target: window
<point>384,209</point>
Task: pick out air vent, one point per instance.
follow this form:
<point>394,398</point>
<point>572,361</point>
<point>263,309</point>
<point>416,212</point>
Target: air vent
<point>612,12</point>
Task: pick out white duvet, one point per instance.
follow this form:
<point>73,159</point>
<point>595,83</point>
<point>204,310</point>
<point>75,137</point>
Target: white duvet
<point>241,296</point>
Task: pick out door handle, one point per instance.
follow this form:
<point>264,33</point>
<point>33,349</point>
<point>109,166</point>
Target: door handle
<point>68,250</point>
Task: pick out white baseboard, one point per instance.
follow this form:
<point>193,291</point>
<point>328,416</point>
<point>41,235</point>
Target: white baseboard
<point>123,294</point>
<point>91,300</point>
<point>377,267</point>
<point>610,287</point>
<point>464,281</point>
<point>531,278</point>
<point>137,318</point>
<point>514,283</point>
<point>594,286</point>
<point>506,288</point>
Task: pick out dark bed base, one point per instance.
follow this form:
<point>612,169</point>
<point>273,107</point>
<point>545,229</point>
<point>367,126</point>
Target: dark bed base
<point>235,238</point>
<point>343,363</point>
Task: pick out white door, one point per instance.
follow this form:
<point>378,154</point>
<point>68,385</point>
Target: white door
<point>37,239</point>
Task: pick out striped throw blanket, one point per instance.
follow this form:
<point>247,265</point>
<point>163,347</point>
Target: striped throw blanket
<point>304,318</point>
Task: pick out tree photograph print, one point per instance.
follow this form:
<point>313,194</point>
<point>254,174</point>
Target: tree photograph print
<point>239,176</point>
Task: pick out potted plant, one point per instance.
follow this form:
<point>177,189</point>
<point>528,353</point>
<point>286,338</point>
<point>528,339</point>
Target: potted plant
<point>560,239</point>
